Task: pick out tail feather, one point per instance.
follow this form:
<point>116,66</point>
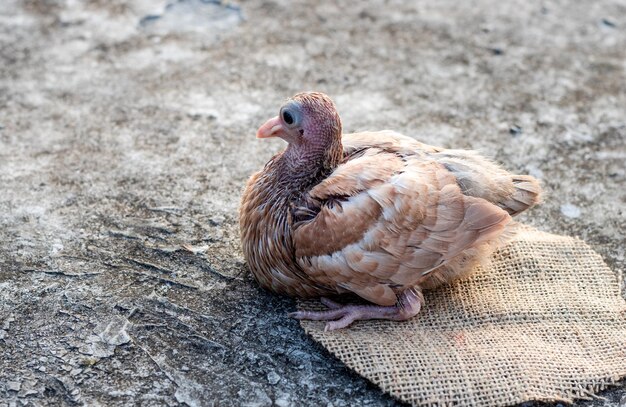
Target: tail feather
<point>482,178</point>
<point>527,193</point>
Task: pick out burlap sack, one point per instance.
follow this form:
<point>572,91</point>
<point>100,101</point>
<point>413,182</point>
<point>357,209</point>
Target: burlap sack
<point>545,321</point>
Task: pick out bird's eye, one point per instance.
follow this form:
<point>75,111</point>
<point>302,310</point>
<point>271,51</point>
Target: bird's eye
<point>287,117</point>
<point>290,114</point>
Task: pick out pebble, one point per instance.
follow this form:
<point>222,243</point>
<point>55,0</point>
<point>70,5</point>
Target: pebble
<point>608,23</point>
<point>571,211</point>
<point>282,400</point>
<point>7,323</point>
<point>114,333</point>
<point>28,388</point>
<point>515,130</point>
<point>273,378</point>
<point>256,398</point>
<point>217,220</point>
<point>14,386</point>
<point>298,358</point>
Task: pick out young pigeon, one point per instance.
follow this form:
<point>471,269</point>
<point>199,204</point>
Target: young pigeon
<point>377,214</point>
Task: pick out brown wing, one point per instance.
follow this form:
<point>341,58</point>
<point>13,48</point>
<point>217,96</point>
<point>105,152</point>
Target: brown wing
<point>385,140</point>
<point>476,175</point>
<point>394,218</point>
<point>480,177</point>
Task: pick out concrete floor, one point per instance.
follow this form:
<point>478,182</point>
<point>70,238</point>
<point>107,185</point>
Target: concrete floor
<point>127,133</point>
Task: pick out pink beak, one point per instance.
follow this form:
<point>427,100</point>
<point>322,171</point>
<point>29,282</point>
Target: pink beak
<point>271,128</point>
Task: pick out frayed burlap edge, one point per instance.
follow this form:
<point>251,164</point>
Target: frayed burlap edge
<point>544,321</point>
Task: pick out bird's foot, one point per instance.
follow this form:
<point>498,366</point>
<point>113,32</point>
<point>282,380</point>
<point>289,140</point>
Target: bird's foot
<point>340,316</point>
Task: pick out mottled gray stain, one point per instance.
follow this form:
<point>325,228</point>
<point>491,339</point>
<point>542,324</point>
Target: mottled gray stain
<point>200,16</point>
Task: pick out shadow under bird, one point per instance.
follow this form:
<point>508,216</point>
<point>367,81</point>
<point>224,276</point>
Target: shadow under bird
<point>376,214</point>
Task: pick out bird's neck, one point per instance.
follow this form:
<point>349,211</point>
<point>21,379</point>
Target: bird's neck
<point>302,168</point>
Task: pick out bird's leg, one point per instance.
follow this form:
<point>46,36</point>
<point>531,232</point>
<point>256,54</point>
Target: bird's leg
<point>340,316</point>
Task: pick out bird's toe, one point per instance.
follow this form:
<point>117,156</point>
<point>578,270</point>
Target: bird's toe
<point>319,315</point>
<point>297,314</point>
<point>341,323</point>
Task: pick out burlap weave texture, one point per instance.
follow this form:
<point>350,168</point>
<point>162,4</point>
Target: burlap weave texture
<point>544,321</point>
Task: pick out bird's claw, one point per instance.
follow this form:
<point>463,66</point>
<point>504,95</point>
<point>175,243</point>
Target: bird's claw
<point>340,315</point>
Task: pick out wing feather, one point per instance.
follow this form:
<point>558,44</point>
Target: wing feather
<point>399,218</point>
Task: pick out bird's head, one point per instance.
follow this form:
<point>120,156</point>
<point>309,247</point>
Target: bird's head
<point>309,122</point>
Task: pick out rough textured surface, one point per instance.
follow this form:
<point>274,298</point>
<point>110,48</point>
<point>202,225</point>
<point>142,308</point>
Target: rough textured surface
<point>125,140</point>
